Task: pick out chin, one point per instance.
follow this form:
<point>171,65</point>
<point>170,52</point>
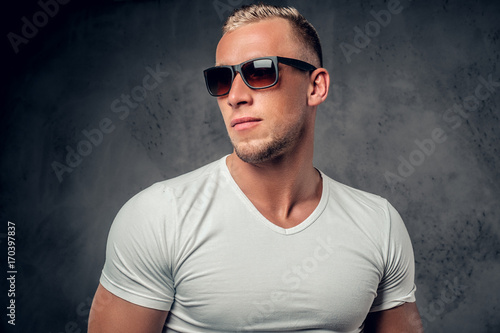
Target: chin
<point>255,154</point>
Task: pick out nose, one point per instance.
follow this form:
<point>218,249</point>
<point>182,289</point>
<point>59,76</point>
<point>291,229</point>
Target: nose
<point>240,93</point>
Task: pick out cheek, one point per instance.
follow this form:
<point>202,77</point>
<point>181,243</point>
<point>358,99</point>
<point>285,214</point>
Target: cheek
<point>286,107</point>
<point>294,96</point>
<point>223,111</point>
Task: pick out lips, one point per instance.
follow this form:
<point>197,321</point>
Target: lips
<point>244,122</point>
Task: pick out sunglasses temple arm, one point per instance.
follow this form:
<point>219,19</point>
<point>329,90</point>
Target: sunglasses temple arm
<point>302,65</point>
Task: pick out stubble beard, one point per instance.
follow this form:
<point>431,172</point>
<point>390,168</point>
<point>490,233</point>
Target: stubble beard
<point>276,146</point>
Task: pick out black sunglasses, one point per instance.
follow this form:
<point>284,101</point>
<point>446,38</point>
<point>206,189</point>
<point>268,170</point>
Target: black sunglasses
<point>259,73</point>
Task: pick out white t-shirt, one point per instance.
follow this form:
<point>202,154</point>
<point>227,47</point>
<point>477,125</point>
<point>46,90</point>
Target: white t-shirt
<point>196,246</point>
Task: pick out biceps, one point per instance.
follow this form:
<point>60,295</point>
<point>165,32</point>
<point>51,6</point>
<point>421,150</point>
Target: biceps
<point>110,313</point>
<point>401,319</point>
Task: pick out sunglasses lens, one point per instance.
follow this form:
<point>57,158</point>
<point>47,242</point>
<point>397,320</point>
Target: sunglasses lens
<point>218,80</point>
<point>259,73</point>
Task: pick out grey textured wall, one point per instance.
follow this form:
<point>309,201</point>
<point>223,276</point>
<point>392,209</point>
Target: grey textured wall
<point>413,116</point>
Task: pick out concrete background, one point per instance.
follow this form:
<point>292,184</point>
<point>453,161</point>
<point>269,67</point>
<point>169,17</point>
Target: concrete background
<point>399,89</point>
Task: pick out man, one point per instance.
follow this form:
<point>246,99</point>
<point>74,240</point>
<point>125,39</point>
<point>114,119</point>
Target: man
<point>259,240</point>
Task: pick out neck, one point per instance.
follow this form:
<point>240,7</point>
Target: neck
<point>285,190</point>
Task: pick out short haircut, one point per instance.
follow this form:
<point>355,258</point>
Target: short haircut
<point>254,13</point>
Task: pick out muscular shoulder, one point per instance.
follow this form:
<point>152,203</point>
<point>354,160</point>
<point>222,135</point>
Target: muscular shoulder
<point>160,202</point>
<point>356,201</point>
<point>156,194</point>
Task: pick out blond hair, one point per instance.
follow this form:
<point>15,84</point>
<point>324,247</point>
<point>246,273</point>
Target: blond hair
<point>254,13</point>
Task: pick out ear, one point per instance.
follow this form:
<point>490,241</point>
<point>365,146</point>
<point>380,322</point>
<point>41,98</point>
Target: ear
<point>318,88</point>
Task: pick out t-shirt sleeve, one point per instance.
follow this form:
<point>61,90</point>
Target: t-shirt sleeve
<point>138,266</point>
<point>397,285</point>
